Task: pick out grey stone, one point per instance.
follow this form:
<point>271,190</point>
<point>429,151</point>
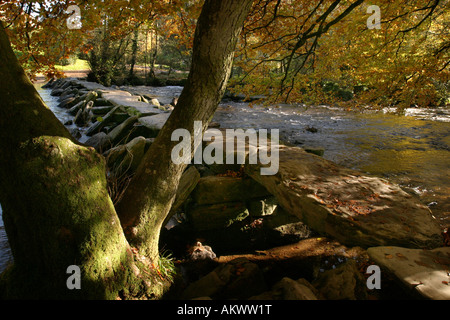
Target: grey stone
<point>353,208</point>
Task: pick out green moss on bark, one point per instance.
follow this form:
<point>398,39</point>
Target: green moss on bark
<point>66,217</point>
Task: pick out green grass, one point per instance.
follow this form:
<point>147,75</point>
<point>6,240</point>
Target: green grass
<point>79,65</point>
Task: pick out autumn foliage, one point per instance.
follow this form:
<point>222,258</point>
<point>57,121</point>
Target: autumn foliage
<point>295,51</point>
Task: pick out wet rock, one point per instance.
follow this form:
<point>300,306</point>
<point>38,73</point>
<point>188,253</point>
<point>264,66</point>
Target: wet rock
<point>99,125</point>
<point>311,129</point>
<point>120,132</point>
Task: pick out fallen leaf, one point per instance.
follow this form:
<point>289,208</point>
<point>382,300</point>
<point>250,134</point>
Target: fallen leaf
<point>445,282</point>
<point>388,256</point>
<point>401,256</point>
<point>422,264</point>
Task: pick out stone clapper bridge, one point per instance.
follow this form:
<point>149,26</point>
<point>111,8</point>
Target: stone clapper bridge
<point>354,208</point>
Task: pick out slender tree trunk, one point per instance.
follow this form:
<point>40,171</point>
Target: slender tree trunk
<point>134,48</point>
<point>56,208</point>
<point>150,195</point>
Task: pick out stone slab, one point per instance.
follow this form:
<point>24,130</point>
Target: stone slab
<point>425,271</point>
<point>347,205</point>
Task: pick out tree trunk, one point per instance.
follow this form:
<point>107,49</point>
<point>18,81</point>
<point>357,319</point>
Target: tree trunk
<point>149,197</point>
<point>134,48</point>
<point>56,208</point>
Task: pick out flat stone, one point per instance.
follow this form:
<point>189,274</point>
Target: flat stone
<point>351,207</point>
<point>424,271</point>
<point>155,122</point>
<point>130,103</point>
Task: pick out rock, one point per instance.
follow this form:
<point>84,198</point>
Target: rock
<point>154,123</point>
<point>99,141</point>
<point>49,84</point>
<point>423,271</point>
<point>314,150</point>
<point>238,279</point>
<point>99,125</point>
<point>166,107</point>
<point>91,96</point>
<point>217,189</point>
<point>287,225</point>
<point>101,110</point>
<point>75,133</point>
<point>262,207</point>
<point>216,216</point>
<point>66,102</point>
<point>126,158</point>
<point>57,92</point>
<point>201,252</point>
<point>130,103</point>
<point>84,114</point>
<point>74,110</point>
<point>155,102</point>
<point>345,282</point>
<point>121,132</point>
<point>355,209</point>
<point>288,289</point>
<point>311,129</point>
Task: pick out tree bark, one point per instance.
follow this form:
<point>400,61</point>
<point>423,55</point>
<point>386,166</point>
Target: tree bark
<point>149,196</point>
<point>56,208</point>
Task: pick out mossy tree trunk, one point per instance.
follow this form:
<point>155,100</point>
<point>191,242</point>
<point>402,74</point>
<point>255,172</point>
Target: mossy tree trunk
<point>56,208</point>
<point>149,197</point>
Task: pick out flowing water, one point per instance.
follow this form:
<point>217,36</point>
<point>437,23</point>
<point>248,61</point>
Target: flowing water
<point>412,150</point>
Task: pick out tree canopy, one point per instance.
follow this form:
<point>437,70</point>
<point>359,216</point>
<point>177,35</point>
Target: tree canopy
<point>293,51</point>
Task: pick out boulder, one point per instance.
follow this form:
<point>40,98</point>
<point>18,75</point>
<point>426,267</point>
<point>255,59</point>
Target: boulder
<point>355,209</point>
<point>289,289</point>
<point>216,216</point>
<point>237,279</point>
<point>423,271</point>
<point>84,114</point>
<point>345,282</point>
<point>222,189</point>
<point>154,123</point>
<point>99,141</point>
<point>130,103</point>
<point>126,158</point>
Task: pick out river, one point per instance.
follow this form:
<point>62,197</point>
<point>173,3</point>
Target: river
<point>412,150</point>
